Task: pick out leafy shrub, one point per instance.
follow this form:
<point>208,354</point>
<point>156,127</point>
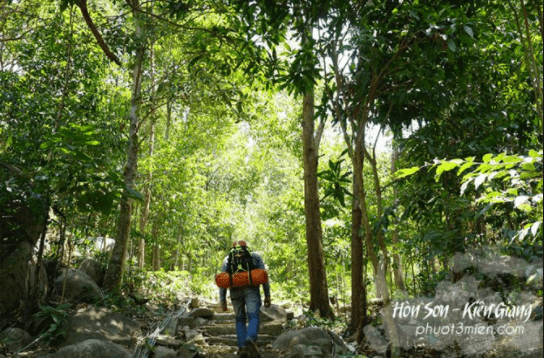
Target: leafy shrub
<point>54,319</point>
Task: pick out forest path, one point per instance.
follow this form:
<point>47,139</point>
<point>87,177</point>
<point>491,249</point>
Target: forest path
<point>219,335</point>
<point>220,340</point>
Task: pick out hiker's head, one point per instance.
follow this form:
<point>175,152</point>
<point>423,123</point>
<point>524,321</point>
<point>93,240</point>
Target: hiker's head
<point>239,247</point>
<point>239,243</point>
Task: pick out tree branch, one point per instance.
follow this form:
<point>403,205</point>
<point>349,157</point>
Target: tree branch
<point>96,33</point>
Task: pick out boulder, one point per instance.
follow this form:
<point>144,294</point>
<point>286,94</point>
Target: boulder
<point>195,303</point>
<point>15,338</point>
<point>375,339</point>
<point>193,336</point>
<point>163,352</point>
<point>199,321</point>
<point>100,323</point>
<point>94,270</point>
<point>92,348</point>
<point>79,286</point>
<point>310,336</point>
<point>186,321</point>
<point>169,341</point>
<point>304,351</point>
<point>188,351</point>
<point>273,313</point>
<point>23,217</point>
<point>201,312</point>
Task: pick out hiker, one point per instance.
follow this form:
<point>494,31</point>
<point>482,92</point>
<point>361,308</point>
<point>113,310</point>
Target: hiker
<point>246,301</point>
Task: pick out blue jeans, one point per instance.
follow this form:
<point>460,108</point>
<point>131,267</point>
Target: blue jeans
<point>247,303</point>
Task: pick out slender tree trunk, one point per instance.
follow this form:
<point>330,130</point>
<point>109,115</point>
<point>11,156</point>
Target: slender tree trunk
<point>358,289</point>
<point>156,257</point>
<point>156,247</point>
<point>114,274</point>
<point>378,192</point>
<point>319,296</point>
<point>397,263</point>
<point>149,177</point>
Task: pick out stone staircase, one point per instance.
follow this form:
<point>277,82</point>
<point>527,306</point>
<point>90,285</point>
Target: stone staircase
<point>213,332</point>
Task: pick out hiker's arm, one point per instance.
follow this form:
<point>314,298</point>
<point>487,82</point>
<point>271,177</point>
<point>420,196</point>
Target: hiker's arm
<point>259,263</point>
<point>223,291</point>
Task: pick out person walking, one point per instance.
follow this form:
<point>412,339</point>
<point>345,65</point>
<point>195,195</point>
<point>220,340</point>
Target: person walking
<point>246,300</point>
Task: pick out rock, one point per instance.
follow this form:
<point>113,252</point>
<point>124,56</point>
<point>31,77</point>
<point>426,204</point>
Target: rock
<point>375,339</point>
<point>186,321</point>
<point>193,336</point>
<point>304,351</point>
<point>199,321</point>
<point>168,341</point>
<point>79,286</point>
<point>188,351</point>
<point>163,352</point>
<point>309,336</point>
<point>151,308</point>
<point>20,229</point>
<point>15,338</point>
<point>224,316</point>
<point>94,270</point>
<point>170,328</point>
<point>273,313</point>
<point>92,348</point>
<point>201,312</point>
<point>194,303</point>
<point>100,323</point>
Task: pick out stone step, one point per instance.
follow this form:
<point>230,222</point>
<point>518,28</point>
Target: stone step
<point>223,317</point>
<point>230,340</point>
<point>274,329</point>
<point>234,355</point>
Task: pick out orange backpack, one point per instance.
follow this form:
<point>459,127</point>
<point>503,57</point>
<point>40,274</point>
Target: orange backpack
<point>241,271</point>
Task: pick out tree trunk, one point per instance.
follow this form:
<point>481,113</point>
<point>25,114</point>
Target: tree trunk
<point>358,175</point>
<point>149,177</point>
<point>397,263</point>
<point>114,274</point>
<point>156,257</point>
<point>358,289</point>
<point>378,192</point>
<point>319,296</point>
<point>156,247</point>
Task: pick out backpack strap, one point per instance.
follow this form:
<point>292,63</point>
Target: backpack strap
<point>249,266</point>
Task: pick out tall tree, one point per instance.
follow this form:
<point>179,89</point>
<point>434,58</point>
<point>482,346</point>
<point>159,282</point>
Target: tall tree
<point>300,77</point>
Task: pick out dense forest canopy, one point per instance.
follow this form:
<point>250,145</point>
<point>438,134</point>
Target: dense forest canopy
<point>177,127</point>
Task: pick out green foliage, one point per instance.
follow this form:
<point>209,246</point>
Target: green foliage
<point>313,320</point>
<point>336,181</point>
<point>54,320</point>
<point>514,180</point>
<point>166,287</point>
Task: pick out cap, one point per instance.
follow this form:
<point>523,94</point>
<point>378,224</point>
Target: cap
<point>240,242</point>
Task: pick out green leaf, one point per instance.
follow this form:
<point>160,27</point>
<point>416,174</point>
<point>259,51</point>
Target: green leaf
<point>134,194</point>
<point>468,30</point>
<point>405,172</point>
<point>451,45</point>
<point>444,167</point>
<point>479,180</point>
<point>487,158</point>
<point>464,167</point>
<point>528,166</point>
<point>534,227</point>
